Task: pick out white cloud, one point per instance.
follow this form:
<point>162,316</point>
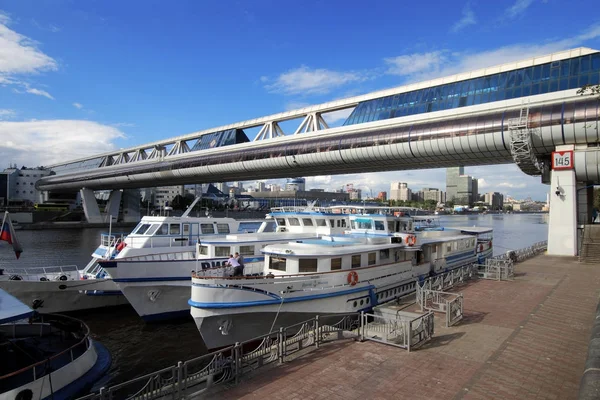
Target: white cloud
<point>416,64</point>
<point>511,185</point>
<point>46,142</point>
<point>39,92</point>
<point>6,114</point>
<point>468,18</point>
<point>518,8</point>
<point>78,105</point>
<point>304,80</point>
<point>124,124</point>
<point>337,116</point>
<point>19,55</point>
<point>423,66</point>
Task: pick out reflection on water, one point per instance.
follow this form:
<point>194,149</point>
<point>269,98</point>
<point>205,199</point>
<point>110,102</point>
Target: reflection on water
<point>138,348</point>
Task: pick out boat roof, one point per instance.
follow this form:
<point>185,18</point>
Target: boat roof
<point>12,309</point>
<point>473,229</point>
<point>321,247</point>
<point>240,238</point>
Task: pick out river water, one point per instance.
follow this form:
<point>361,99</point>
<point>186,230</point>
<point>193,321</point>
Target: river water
<point>138,348</point>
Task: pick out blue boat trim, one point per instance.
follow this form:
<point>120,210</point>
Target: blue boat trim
<point>237,304</point>
<point>87,380</point>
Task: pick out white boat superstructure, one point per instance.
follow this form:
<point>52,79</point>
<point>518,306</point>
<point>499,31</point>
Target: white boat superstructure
<point>374,262</point>
<point>67,288</point>
<point>158,285</point>
<point>45,357</point>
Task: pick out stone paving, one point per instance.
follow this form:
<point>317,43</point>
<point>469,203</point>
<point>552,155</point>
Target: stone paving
<point>525,339</point>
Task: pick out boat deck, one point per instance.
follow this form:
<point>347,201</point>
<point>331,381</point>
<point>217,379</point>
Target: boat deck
<point>525,339</point>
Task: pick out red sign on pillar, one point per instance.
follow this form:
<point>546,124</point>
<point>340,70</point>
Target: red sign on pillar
<point>562,160</point>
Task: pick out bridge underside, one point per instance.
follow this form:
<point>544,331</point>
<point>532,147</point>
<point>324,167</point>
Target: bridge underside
<point>469,139</point>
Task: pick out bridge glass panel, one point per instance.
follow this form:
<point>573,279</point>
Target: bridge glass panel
<point>546,78</point>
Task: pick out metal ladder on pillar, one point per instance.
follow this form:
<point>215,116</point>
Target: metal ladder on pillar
<point>521,147</point>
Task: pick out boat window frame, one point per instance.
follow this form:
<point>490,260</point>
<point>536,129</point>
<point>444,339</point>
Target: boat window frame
<point>276,262</point>
<point>223,228</point>
<point>293,221</point>
<point>244,250</point>
<point>219,251</point>
<point>353,260</point>
<point>335,261</point>
<point>202,230</point>
<point>304,269</point>
<point>372,258</point>
<point>309,220</point>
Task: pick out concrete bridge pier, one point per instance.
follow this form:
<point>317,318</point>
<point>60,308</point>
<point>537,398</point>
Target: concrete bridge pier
<point>90,206</point>
<point>131,205</point>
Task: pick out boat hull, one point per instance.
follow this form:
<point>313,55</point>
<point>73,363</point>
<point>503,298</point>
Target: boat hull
<point>65,296</point>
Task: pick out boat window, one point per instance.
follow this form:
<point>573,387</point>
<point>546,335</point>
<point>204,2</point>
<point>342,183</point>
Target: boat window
<point>356,261</point>
<point>247,250</point>
<point>280,221</point>
<point>223,228</point>
<point>353,224</point>
<point>339,223</point>
<point>343,223</point>
<point>277,263</point>
<point>321,222</point>
<point>379,226</point>
<point>448,247</point>
<point>207,229</point>
<point>186,229</point>
<point>390,226</point>
<point>222,251</point>
<point>372,258</point>
<point>384,254</point>
<point>307,265</point>
<point>141,229</point>
<point>162,230</point>
<point>307,222</point>
<point>336,263</point>
<point>364,224</point>
<point>332,223</point>
<point>203,250</point>
<point>175,228</point>
<point>294,221</point>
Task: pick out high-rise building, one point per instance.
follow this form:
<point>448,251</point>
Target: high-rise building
<point>296,184</point>
<point>494,200</point>
<point>461,189</point>
<point>260,186</point>
<point>222,186</point>
<point>400,191</point>
<point>164,195</point>
<point>355,194</point>
<point>433,194</point>
<point>18,185</point>
<point>382,196</point>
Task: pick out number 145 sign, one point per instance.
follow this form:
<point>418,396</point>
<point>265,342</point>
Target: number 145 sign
<point>562,160</point>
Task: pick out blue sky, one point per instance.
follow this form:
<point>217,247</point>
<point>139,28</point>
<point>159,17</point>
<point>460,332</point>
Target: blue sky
<point>83,77</point>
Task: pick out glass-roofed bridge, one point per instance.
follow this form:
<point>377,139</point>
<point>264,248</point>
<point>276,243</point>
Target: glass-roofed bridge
<point>519,113</point>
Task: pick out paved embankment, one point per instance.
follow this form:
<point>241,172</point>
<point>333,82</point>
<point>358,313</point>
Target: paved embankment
<point>525,339</point>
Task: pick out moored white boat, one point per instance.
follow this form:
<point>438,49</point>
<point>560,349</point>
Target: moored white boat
<point>373,264</point>
<point>158,285</point>
<point>47,357</point>
<point>67,288</point>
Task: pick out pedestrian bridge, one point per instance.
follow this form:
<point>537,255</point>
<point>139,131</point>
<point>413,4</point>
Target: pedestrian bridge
<point>517,112</point>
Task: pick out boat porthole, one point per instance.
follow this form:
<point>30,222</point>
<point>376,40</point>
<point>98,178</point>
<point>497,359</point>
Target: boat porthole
<point>24,395</point>
<point>362,302</point>
<point>368,300</point>
<point>62,287</point>
<point>355,304</point>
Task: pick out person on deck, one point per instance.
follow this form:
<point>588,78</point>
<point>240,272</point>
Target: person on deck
<point>240,260</point>
<point>237,270</point>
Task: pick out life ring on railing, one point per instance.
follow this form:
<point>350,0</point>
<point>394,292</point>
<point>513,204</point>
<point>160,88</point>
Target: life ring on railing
<point>121,246</point>
<point>352,278</point>
<point>411,240</point>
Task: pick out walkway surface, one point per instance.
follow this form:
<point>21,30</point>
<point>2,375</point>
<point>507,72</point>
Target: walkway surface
<point>525,339</point>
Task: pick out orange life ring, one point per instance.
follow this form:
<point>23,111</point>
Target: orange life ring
<point>121,246</point>
<point>411,240</point>
<point>352,278</point>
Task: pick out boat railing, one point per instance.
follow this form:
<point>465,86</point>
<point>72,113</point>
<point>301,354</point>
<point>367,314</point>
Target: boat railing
<point>53,363</point>
<point>169,256</point>
<point>110,240</point>
<point>192,378</point>
<point>53,271</point>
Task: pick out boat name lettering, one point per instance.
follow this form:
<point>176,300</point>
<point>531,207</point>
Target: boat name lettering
<point>212,264</point>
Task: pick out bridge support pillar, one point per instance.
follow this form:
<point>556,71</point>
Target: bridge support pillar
<point>113,205</point>
<point>131,205</point>
<point>564,204</point>
<point>90,206</point>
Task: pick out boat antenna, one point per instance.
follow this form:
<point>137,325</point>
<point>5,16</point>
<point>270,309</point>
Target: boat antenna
<point>189,209</point>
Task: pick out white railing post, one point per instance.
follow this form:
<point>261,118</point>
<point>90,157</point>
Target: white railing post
<point>317,336</point>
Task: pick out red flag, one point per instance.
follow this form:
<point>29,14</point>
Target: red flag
<point>7,233</point>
